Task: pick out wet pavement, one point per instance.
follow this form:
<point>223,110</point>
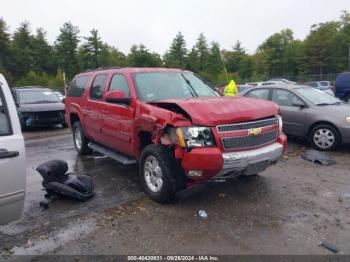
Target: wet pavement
<point>288,209</point>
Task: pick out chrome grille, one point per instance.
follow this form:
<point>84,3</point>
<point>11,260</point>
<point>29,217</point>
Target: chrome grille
<point>247,125</point>
<point>230,143</point>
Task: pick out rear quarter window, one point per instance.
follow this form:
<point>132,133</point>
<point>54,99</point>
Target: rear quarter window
<point>78,86</point>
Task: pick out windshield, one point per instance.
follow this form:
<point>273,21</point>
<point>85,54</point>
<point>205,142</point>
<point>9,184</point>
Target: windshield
<point>317,97</point>
<point>37,97</point>
<point>170,85</point>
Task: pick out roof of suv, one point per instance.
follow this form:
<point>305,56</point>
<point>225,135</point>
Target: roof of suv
<point>132,70</point>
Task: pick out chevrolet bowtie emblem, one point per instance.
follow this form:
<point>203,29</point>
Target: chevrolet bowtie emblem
<point>255,131</point>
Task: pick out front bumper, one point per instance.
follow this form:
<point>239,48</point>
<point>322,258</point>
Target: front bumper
<point>217,165</point>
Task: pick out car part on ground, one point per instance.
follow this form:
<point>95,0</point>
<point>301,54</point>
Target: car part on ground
<point>182,136</point>
<point>318,157</point>
<point>331,247</point>
<point>57,182</point>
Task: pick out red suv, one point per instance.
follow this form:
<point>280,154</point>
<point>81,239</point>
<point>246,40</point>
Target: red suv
<point>180,131</point>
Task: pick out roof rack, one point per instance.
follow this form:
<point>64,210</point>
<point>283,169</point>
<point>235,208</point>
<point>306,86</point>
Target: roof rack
<point>101,68</point>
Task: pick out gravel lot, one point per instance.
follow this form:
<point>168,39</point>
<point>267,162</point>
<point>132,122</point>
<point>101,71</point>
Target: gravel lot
<point>288,209</point>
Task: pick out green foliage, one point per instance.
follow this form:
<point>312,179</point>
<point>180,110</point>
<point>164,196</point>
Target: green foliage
<point>66,47</point>
<point>139,56</point>
<point>177,54</point>
<point>28,59</point>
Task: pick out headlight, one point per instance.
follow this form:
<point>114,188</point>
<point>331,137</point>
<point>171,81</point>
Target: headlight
<point>196,136</point>
<point>348,119</point>
<point>280,124</point>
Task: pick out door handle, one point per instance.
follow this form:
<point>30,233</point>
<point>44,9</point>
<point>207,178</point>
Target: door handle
<point>8,154</point>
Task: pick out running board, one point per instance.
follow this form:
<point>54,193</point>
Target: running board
<point>125,160</point>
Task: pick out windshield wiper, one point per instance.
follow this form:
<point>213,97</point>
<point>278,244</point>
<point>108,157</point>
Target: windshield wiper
<point>190,87</point>
<point>328,104</point>
<point>41,102</point>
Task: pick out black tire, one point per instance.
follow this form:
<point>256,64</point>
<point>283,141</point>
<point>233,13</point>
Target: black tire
<point>347,99</point>
<point>83,149</point>
<point>331,129</point>
<point>173,177</point>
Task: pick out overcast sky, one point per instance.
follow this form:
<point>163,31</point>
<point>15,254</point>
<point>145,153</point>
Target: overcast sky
<point>155,22</point>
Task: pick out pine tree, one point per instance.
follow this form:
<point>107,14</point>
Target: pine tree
<point>67,48</point>
<point>43,59</point>
<point>21,49</point>
<point>177,54</point>
<point>202,51</point>
<point>92,49</point>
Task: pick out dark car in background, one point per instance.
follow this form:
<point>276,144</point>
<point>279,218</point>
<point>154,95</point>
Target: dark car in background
<point>342,86</point>
<point>308,113</point>
<point>38,107</point>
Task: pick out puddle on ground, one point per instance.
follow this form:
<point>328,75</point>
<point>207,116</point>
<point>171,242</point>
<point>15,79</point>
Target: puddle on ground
<point>46,244</point>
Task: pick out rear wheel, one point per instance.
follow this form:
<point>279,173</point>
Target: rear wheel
<point>324,137</point>
<point>160,174</point>
<point>80,141</point>
<point>347,99</point>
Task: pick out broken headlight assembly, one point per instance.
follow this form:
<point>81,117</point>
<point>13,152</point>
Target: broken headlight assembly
<point>196,136</point>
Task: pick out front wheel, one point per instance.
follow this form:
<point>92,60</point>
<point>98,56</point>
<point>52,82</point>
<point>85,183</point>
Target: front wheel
<point>324,137</point>
<point>80,141</point>
<point>160,174</point>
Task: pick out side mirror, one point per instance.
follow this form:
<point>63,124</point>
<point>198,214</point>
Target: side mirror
<point>298,104</point>
<point>117,97</point>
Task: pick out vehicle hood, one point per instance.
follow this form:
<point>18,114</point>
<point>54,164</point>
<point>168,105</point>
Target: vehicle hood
<point>41,107</point>
<point>222,110</point>
<point>335,111</point>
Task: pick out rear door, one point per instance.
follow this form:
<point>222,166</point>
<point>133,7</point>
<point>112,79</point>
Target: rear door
<point>118,118</point>
<point>93,108</point>
<point>12,158</point>
<point>293,116</point>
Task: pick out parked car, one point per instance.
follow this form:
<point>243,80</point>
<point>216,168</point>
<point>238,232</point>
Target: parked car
<point>12,158</point>
<point>322,85</point>
<point>60,96</point>
<point>286,81</point>
<point>181,132</point>
<point>309,113</point>
<point>38,107</point>
<point>342,86</point>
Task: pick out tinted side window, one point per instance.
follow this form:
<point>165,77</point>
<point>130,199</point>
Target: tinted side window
<point>4,119</point>
<point>96,91</point>
<point>259,93</point>
<point>119,83</point>
<point>77,86</point>
<point>284,98</point>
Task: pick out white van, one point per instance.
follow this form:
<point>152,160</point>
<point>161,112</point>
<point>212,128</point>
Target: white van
<point>12,158</point>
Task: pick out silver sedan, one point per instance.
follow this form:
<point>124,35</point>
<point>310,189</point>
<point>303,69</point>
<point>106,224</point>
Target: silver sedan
<point>308,113</point>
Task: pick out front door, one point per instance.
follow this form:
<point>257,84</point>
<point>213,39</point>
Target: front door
<point>118,118</point>
<point>293,116</point>
<point>93,108</point>
<point>12,158</point>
